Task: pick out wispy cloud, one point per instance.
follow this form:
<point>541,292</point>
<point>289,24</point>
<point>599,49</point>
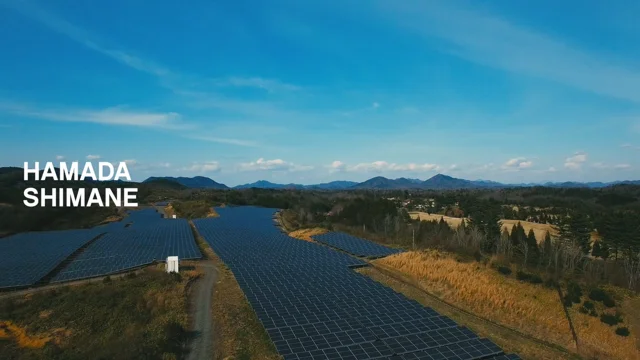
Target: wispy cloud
<point>270,85</point>
<point>59,157</point>
<point>228,141</point>
<point>273,165</point>
<point>203,167</point>
<point>603,166</point>
<point>381,166</point>
<point>629,146</point>
<point>93,157</point>
<point>109,116</point>
<point>55,23</point>
<point>494,41</point>
<point>575,162</point>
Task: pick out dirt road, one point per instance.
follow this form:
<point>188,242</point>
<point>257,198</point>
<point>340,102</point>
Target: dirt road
<point>201,346</point>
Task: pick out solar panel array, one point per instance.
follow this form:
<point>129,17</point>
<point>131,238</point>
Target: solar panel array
<point>149,239</point>
<point>354,245</point>
<point>28,257</point>
<point>314,307</point>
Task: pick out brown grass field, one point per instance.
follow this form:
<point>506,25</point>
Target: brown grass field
<point>539,230</point>
<point>452,221</point>
<point>306,234</point>
<point>531,309</point>
<point>510,341</point>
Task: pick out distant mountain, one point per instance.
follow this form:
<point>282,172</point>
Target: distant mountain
<point>197,182</point>
<point>437,182</point>
<point>441,182</point>
<point>334,185</point>
<point>380,182</point>
<point>264,184</point>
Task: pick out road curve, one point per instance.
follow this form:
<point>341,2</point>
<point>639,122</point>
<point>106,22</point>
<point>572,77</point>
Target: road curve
<point>201,346</point>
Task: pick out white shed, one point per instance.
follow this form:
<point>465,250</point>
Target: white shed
<point>172,264</point>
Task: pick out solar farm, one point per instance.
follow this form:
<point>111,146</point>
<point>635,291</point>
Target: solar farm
<point>314,306</point>
<point>354,246</point>
<point>140,239</point>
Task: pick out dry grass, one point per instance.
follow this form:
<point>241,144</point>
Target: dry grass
<point>212,213</point>
<point>531,309</point>
<point>306,234</point>
<point>169,211</point>
<point>483,291</point>
<point>10,331</point>
<point>452,221</point>
<point>510,341</point>
<point>237,332</point>
<point>540,230</point>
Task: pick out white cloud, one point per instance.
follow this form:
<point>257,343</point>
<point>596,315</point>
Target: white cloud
<point>517,163</point>
<point>375,105</point>
<point>602,166</point>
<point>275,165</point>
<point>93,157</point>
<point>629,146</point>
<point>228,141</point>
<point>59,157</point>
<point>575,162</point>
<point>270,85</point>
<point>490,40</point>
<point>109,116</point>
<point>380,166</point>
<point>130,162</point>
<point>337,166</point>
<point>203,167</point>
<point>551,169</point>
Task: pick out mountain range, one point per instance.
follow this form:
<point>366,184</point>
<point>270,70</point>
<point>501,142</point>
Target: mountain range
<point>437,182</point>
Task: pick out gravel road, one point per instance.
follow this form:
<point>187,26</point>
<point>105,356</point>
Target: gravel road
<point>201,346</point>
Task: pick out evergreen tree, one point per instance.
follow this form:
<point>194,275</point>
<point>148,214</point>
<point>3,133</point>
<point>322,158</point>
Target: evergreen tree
<point>463,226</point>
<point>580,229</point>
<point>532,243</point>
<point>518,235</point>
<point>514,234</point>
<point>600,250</point>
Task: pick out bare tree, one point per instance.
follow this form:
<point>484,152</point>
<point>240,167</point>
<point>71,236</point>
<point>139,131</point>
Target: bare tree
<point>632,270</point>
<point>476,237</point>
<point>571,254</point>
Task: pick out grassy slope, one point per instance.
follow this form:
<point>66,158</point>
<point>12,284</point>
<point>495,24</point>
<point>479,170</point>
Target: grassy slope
<point>531,309</point>
<point>141,317</point>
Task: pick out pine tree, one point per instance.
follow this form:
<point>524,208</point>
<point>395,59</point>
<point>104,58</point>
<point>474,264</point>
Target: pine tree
<point>532,243</point>
<point>580,228</point>
<point>514,235</point>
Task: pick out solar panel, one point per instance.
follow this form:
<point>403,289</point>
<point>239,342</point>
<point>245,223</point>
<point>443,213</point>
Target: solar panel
<point>28,257</point>
<point>354,245</point>
<point>132,247</point>
<point>313,306</point>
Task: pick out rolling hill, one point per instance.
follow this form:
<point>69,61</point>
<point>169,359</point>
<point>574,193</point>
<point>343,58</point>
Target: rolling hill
<point>197,182</point>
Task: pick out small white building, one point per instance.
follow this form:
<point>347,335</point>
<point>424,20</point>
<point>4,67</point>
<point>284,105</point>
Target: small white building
<point>172,264</point>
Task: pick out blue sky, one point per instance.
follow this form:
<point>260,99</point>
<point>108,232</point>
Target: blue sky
<point>314,91</point>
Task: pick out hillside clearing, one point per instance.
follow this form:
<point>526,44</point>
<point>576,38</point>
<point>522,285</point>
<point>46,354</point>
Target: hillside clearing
<point>539,230</point>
